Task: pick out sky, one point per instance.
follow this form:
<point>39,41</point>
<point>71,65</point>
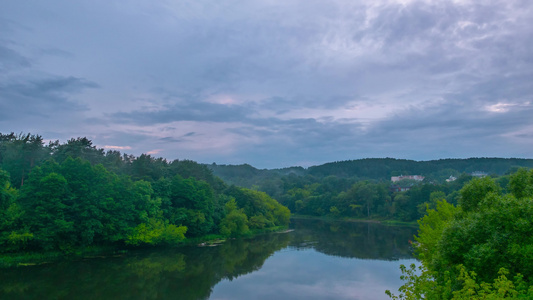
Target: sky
<point>272,83</point>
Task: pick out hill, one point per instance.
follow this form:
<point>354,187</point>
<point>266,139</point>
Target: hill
<point>378,169</point>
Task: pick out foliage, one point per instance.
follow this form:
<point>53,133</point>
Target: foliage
<point>362,188</point>
<point>156,232</point>
<point>521,183</point>
<point>74,195</point>
<point>431,227</point>
<point>235,222</point>
<point>260,208</point>
<point>475,191</point>
<point>373,169</point>
<point>468,252</point>
<point>19,154</point>
<point>421,285</point>
<point>12,236</point>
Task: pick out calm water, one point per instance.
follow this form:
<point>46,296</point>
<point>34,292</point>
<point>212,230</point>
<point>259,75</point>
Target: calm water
<point>318,260</point>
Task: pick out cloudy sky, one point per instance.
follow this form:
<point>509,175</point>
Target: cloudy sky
<point>272,83</point>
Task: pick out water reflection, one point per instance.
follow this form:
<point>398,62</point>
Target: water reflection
<point>193,272</point>
<point>354,239</point>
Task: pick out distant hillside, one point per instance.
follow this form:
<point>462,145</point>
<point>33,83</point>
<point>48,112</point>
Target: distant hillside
<point>246,175</point>
<point>384,168</point>
<point>380,169</point>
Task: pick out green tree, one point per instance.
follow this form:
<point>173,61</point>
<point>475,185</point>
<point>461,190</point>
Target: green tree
<point>148,168</point>
<point>235,222</point>
<point>362,194</point>
<point>475,191</point>
<point>82,148</point>
<point>47,212</point>
<point>334,211</point>
<point>257,204</point>
<point>156,232</point>
<point>192,204</point>
<point>431,227</point>
<point>19,154</point>
<point>521,183</point>
<point>13,236</point>
<point>467,252</point>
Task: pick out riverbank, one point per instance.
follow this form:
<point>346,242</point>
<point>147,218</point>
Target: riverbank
<point>241,268</point>
<point>361,220</point>
<point>22,259</point>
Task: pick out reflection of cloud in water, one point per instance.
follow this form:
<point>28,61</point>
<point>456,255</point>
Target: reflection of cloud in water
<point>308,274</point>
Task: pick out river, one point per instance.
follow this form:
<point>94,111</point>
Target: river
<point>317,260</point>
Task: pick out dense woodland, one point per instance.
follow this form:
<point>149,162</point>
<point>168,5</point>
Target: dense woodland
<point>378,169</point>
<point>362,188</point>
<point>481,248</point>
<point>62,197</point>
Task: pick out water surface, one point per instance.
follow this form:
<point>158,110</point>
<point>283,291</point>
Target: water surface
<point>318,260</point>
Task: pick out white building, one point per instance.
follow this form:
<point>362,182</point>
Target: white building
<point>413,177</point>
<point>452,178</point>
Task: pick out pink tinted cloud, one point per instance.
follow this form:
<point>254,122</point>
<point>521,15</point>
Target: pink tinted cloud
<point>155,151</point>
<point>117,147</point>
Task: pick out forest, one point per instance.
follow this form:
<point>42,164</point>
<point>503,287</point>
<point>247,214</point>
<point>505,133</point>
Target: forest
<point>63,197</point>
<point>362,189</point>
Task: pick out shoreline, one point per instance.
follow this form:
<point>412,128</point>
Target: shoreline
<point>375,221</point>
<point>25,259</point>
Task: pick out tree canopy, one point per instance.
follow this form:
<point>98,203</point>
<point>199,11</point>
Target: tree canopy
<point>64,196</point>
<point>480,249</point>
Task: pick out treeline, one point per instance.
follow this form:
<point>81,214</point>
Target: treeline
<point>433,170</point>
<point>374,169</point>
<point>65,196</point>
<point>479,249</point>
<point>362,188</point>
<point>345,198</point>
<point>339,197</point>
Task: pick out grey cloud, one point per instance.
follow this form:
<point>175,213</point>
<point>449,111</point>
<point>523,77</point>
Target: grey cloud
<point>9,59</point>
<point>301,133</point>
<point>299,141</point>
<point>55,86</point>
<point>178,139</point>
<point>171,139</point>
<point>57,52</point>
<point>525,135</point>
<point>451,120</point>
<point>40,97</point>
<point>186,111</point>
<point>441,64</point>
<point>441,37</point>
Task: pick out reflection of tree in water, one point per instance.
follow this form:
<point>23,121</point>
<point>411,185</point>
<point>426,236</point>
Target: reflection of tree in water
<point>353,239</point>
<point>192,272</point>
<point>181,273</point>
